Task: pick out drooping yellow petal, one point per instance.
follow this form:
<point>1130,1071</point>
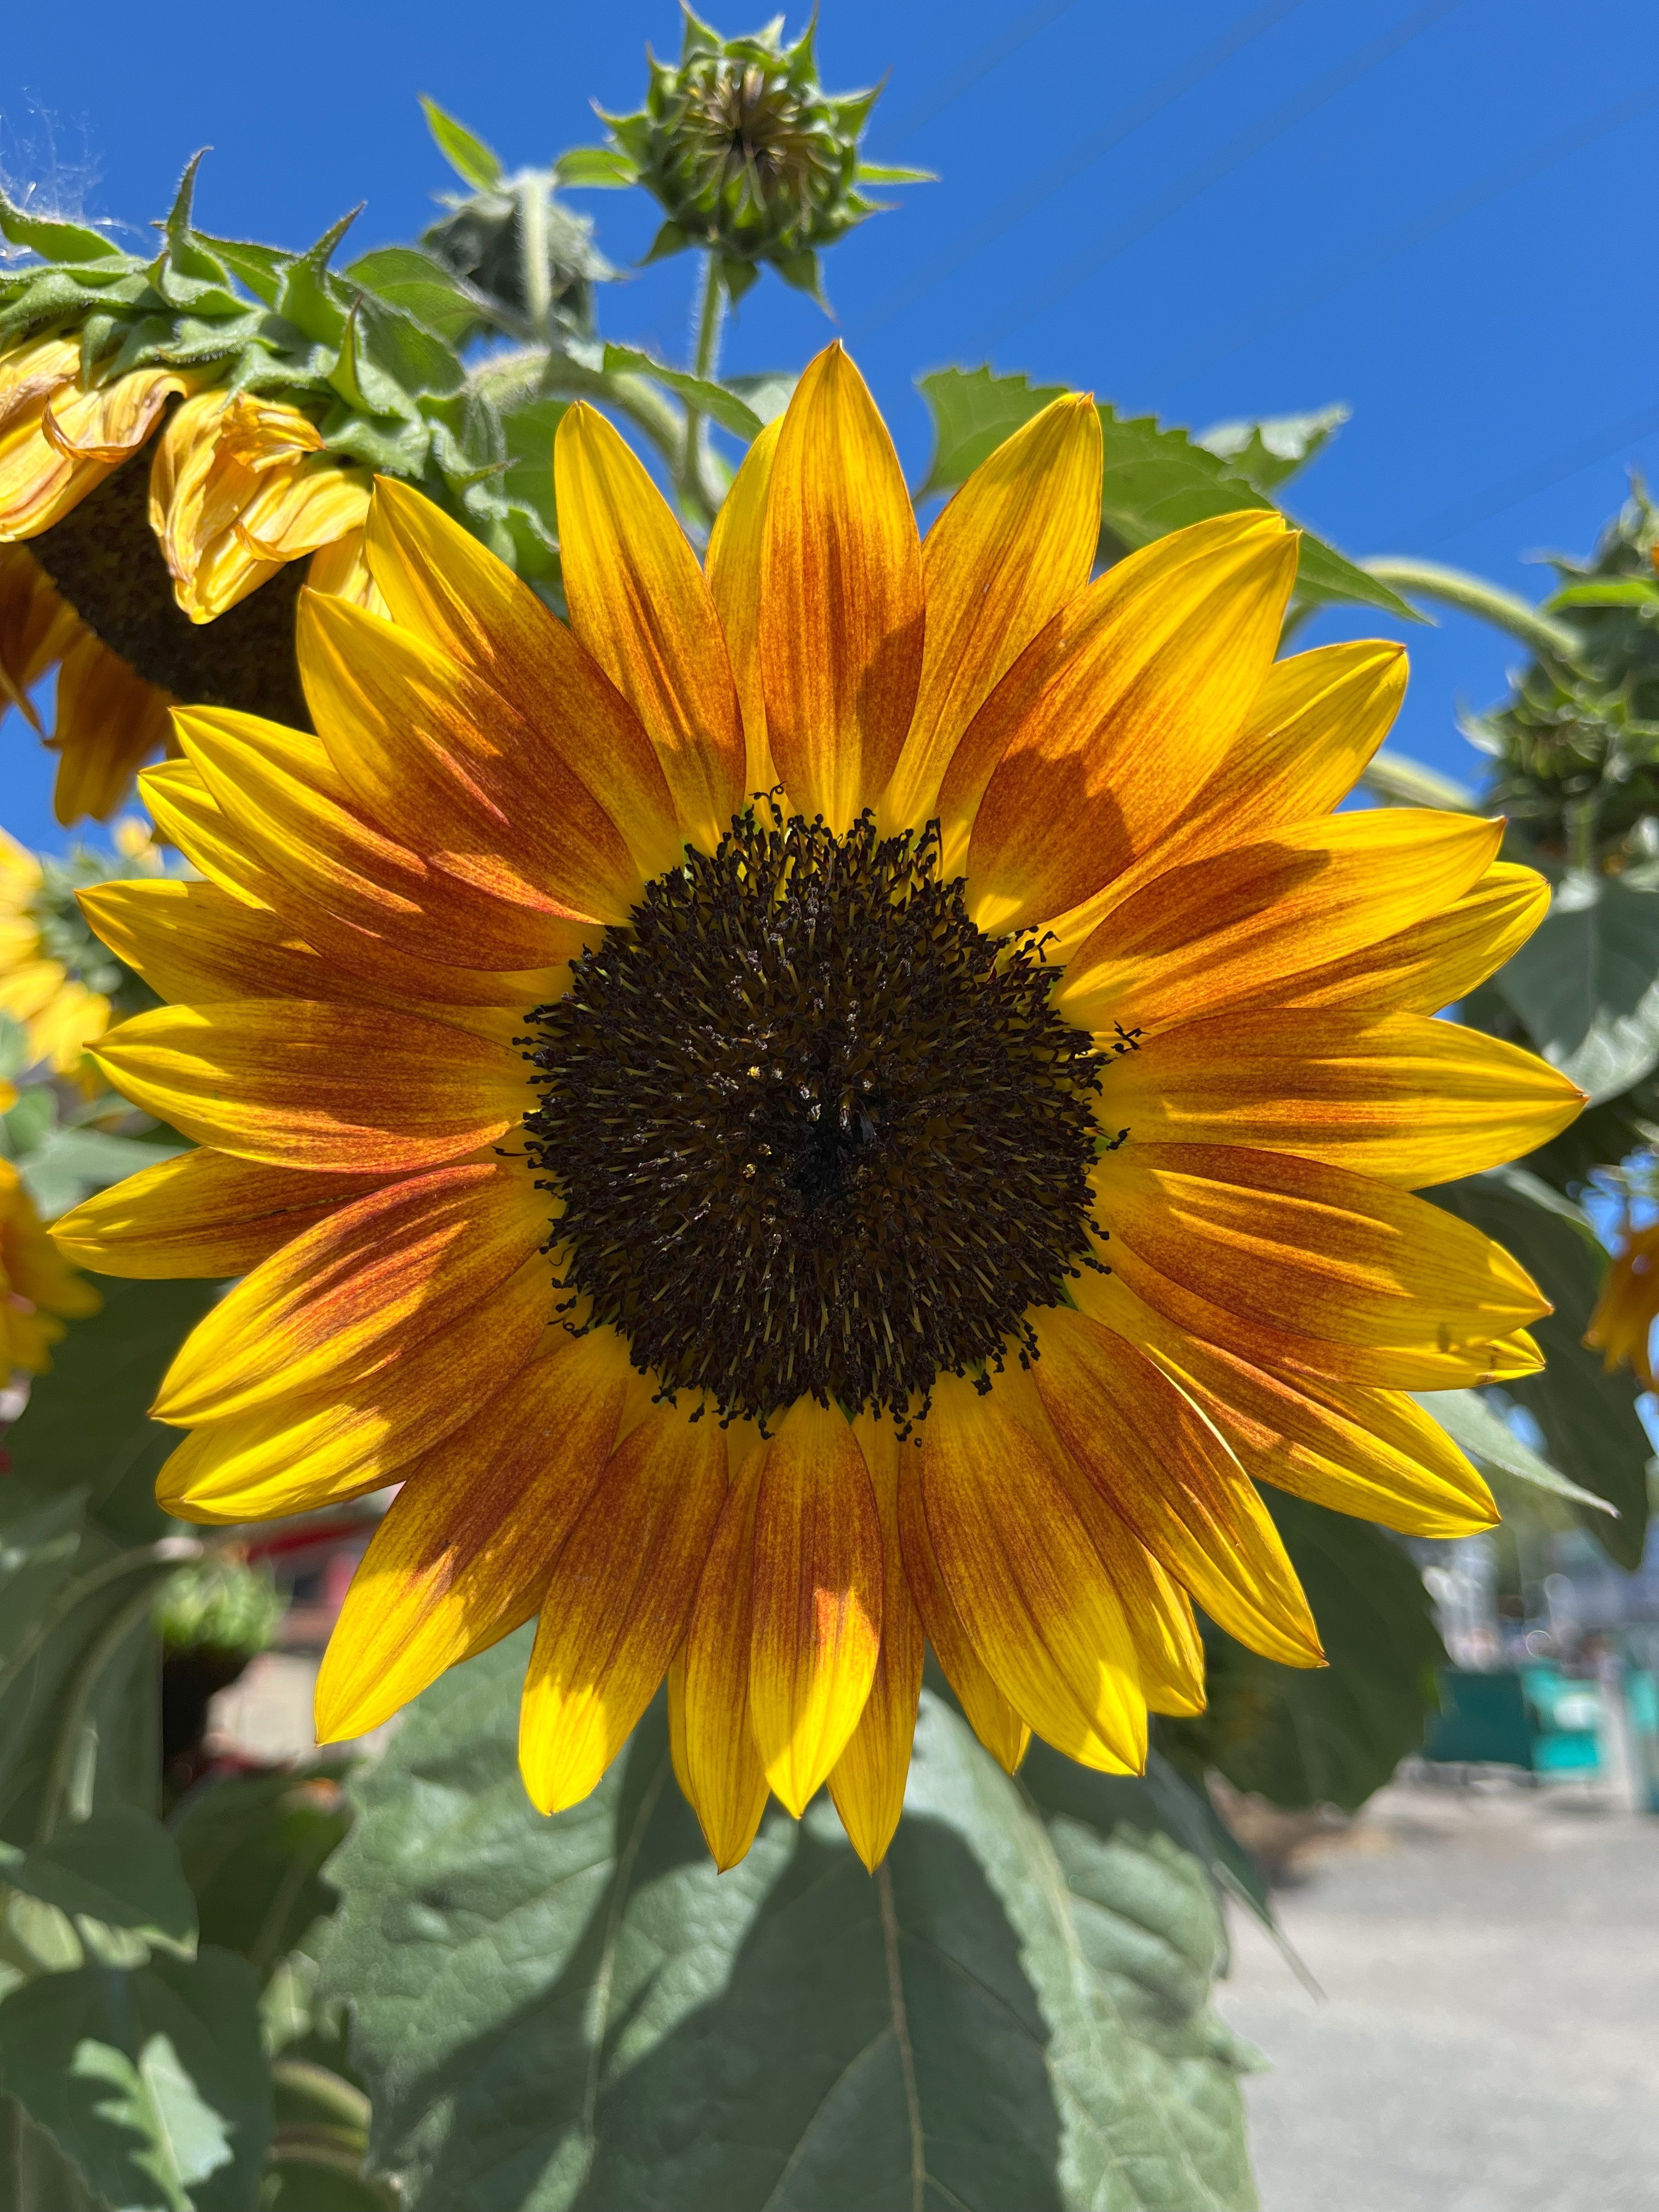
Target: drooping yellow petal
<point>867,1781</point>
<point>841,611</point>
<point>1147,1447</point>
<point>108,722</point>
<point>58,443</point>
<point>1401,1097</point>
<point>1312,727</point>
<point>1030,1587</point>
<point>467,1546</point>
<point>304,1084</point>
<point>1228,931</point>
<point>639,603</point>
<point>325,1446</point>
<point>201,1213</point>
<point>361,1288</point>
<point>1012,548</point>
<point>722,1771</point>
<point>737,546</point>
<point>1622,1324</point>
<point>617,1607</point>
<point>1285,1244</point>
<point>989,1714</point>
<point>816,1624</point>
<point>1436,961</point>
<point>1112,722</point>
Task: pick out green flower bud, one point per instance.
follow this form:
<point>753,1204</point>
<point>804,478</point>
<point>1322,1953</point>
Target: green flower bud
<point>750,157</point>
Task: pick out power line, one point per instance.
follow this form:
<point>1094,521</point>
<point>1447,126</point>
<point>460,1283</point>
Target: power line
<point>1365,258</point>
<point>1197,181</point>
<point>1499,498</point>
<point>1072,164</point>
<point>978,64</point>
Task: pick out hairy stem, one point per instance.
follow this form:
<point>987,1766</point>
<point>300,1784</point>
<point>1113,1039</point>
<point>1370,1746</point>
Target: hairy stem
<point>1474,595</point>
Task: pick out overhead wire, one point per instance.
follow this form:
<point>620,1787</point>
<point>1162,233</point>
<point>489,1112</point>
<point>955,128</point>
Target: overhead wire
<point>1348,267</point>
<point>1072,164</point>
<point>978,65</point>
<point>1196,181</point>
<point>1452,520</point>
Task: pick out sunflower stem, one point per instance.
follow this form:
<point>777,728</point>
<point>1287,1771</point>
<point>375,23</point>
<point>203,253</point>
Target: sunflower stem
<point>711,314</point>
<point>1474,595</point>
<point>532,256</point>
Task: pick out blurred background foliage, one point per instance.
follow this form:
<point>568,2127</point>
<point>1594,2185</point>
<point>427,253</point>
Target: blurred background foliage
<point>225,1986</point>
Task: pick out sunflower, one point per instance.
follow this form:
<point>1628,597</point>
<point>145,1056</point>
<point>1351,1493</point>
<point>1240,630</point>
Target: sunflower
<point>38,1289</point>
<point>1623,1321</point>
<point>109,570</point>
<point>854,1097</point>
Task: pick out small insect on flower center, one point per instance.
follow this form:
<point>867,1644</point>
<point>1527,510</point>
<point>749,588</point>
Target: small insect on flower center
<point>814,1133</point>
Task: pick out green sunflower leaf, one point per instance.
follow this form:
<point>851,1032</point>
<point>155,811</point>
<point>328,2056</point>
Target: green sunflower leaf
<point>53,238</point>
<point>251,1847</point>
<point>973,411</point>
<point>604,169</point>
<point>1271,449</point>
<point>473,162</point>
<point>112,1883</point>
<point>1480,1430</point>
<point>1586,982</point>
<point>153,2080</point>
<point>580,2012</point>
<point>714,400</point>
<point>407,278</point>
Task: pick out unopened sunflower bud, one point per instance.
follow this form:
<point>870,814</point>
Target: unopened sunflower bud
<point>748,155</point>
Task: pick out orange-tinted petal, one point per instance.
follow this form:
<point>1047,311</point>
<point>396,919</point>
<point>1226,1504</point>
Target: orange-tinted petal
<point>467,1546</point>
<point>817,1623</point>
<point>867,1781</point>
<point>304,1084</point>
<point>990,1715</point>
<point>737,546</point>
<point>201,1213</point>
<point>722,1773</point>
<point>639,603</point>
<point>1436,961</point>
<point>1012,548</point>
<point>618,1603</point>
<point>841,611</point>
<point>1029,1585</point>
<point>360,1288</point>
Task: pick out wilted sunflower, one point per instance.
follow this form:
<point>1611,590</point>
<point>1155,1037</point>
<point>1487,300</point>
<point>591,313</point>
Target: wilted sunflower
<point>38,1289</point>
<point>761,1232</point>
<point>113,568</point>
<point>1622,1324</point>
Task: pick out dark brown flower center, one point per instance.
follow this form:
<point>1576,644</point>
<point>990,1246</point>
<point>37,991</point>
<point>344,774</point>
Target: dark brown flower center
<point>815,1133</point>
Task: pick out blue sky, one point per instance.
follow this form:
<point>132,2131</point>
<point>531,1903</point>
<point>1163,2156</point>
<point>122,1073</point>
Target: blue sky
<point>1434,214</point>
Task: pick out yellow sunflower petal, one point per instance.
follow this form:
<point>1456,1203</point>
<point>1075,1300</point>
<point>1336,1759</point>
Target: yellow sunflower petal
<point>1030,1587</point>
<point>41,479</point>
<point>737,547</point>
<point>867,1781</point>
<point>425,744</point>
<point>1230,929</point>
<point>1293,1245</point>
<point>1015,545</point>
<point>1436,961</point>
<point>322,1448</point>
<point>722,1773</point>
<point>1147,1447</point>
<point>303,1085</point>
<point>108,722</point>
<point>841,610</point>
<point>1373,1453</point>
<point>446,589</point>
<point>618,1603</point>
<point>816,1624</point>
<point>989,1714</point>
<point>1408,1099</point>
<point>275,803</point>
<point>467,1546</point>
<point>1313,726</point>
<point>639,603</point>
<point>1112,722</point>
<point>202,1213</point>
<point>375,1278</point>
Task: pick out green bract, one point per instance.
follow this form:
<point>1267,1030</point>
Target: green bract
<point>747,153</point>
